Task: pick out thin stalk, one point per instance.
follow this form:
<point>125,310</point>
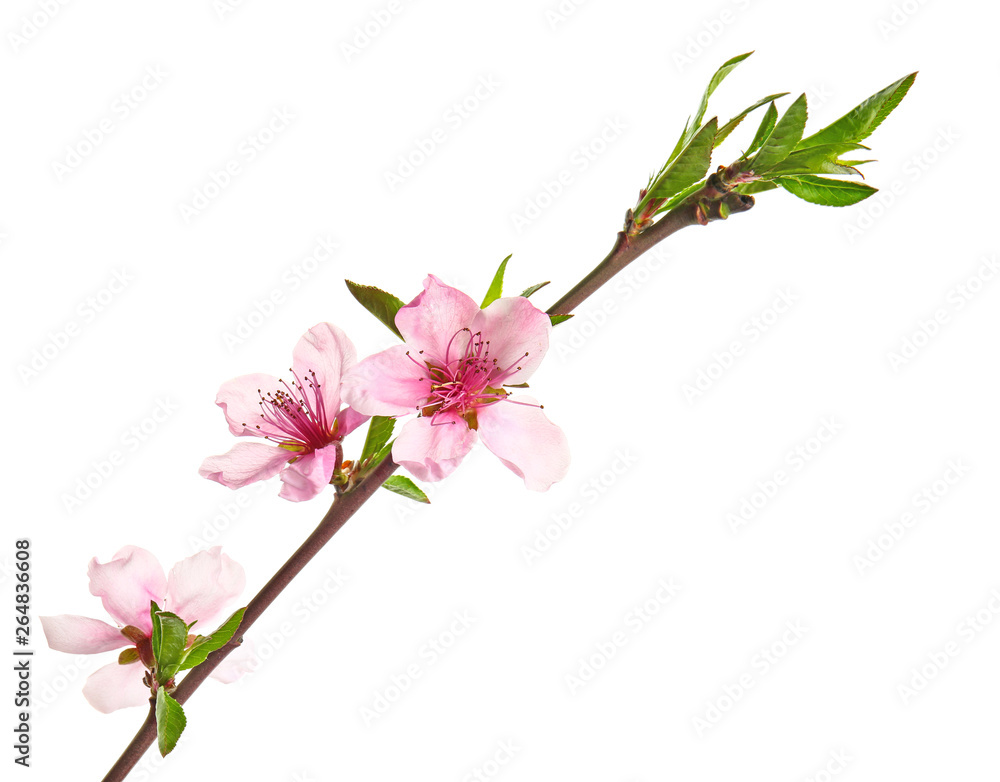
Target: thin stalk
<point>697,210</point>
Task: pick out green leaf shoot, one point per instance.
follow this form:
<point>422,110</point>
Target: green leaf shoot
<point>782,140</point>
<point>495,290</point>
<point>730,126</point>
<point>169,650</point>
<point>826,192</point>
<point>767,123</point>
<point>379,431</point>
<point>534,289</point>
<point>690,165</point>
<point>170,722</point>
<point>205,645</point>
<point>821,159</point>
<point>382,305</point>
<point>859,123</point>
<point>400,484</point>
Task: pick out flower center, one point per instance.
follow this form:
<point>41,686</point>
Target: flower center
<point>298,411</point>
<point>468,379</point>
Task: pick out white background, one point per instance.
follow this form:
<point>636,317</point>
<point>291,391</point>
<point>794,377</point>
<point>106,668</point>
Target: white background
<point>863,280</point>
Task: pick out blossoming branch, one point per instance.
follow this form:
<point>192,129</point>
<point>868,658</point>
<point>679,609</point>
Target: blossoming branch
<point>457,377</point>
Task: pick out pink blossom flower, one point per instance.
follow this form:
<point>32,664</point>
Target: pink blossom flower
<point>452,372</point>
<point>302,418</point>
<point>197,589</point>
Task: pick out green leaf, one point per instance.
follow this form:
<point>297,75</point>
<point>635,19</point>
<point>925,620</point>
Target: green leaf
<point>400,484</point>
<point>154,618</point>
<point>557,319</point>
<point>724,70</point>
<point>677,148</point>
<point>782,140</point>
<point>533,289</point>
<point>826,192</point>
<point>730,126</point>
<point>689,166</point>
<point>205,645</point>
<point>821,159</point>
<point>679,197</point>
<point>752,188</point>
<point>128,656</point>
<point>859,123</point>
<point>381,455</point>
<point>382,305</point>
<point>171,640</point>
<point>693,123</point>
<point>767,124</point>
<point>379,431</point>
<point>496,287</point>
<point>170,722</point>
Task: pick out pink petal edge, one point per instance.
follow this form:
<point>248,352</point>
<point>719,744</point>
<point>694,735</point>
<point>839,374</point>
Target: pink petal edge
<point>433,451</point>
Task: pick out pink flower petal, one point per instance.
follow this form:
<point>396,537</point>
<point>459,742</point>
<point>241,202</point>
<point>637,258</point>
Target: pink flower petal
<point>327,351</point>
<point>526,441</point>
<point>245,463</point>
<point>200,586</point>
<point>127,583</point>
<point>430,321</point>
<point>432,451</point>
<point>388,383</point>
<point>308,475</point>
<point>81,635</point>
<point>116,687</point>
<point>348,420</point>
<point>239,399</point>
<point>514,326</point>
<point>238,662</point>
